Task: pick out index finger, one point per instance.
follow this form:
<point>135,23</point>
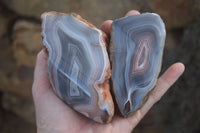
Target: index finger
<point>106,26</point>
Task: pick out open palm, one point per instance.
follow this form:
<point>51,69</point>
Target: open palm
<point>54,116</point>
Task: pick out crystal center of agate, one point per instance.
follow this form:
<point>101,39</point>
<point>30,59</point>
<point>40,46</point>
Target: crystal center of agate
<point>79,66</point>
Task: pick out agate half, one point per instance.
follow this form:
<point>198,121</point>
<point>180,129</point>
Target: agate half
<point>136,54</point>
<point>78,64</point>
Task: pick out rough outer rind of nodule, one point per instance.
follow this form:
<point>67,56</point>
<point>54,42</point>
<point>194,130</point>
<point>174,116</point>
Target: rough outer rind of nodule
<point>136,55</point>
<point>78,64</point>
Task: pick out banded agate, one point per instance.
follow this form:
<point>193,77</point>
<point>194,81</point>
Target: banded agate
<point>78,64</point>
<point>136,54</point>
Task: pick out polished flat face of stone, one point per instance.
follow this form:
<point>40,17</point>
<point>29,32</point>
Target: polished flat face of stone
<point>78,64</point>
<point>136,54</point>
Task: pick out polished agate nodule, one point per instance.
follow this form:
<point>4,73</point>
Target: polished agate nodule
<point>136,54</point>
<point>79,67</point>
<point>78,64</point>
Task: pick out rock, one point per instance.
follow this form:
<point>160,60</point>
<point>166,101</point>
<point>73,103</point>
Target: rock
<point>6,57</point>
<point>3,25</point>
<point>11,123</point>
<point>22,107</point>
<point>7,65</point>
<point>95,11</point>
<point>136,56</point>
<point>6,19</point>
<point>77,50</point>
<point>173,39</point>
<point>27,42</point>
<point>151,122</point>
<point>36,7</point>
<point>176,13</point>
<point>17,75</point>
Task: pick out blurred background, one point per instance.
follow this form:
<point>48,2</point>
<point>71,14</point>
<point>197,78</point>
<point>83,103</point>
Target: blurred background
<point>20,26</point>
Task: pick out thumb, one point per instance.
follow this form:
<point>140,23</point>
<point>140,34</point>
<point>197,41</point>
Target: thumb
<point>41,82</point>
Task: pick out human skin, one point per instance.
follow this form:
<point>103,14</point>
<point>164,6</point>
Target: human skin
<point>54,116</point>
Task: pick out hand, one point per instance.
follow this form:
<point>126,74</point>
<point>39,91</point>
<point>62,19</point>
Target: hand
<point>54,116</point>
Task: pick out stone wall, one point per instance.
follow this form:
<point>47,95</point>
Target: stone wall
<point>20,41</point>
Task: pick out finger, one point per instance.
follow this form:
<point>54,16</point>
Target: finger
<point>41,81</point>
<point>106,27</point>
<point>163,84</point>
<point>132,12</point>
<point>41,65</point>
<point>167,80</point>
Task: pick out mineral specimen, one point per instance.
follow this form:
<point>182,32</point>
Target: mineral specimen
<point>79,67</point>
<point>78,64</point>
<point>136,54</point>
